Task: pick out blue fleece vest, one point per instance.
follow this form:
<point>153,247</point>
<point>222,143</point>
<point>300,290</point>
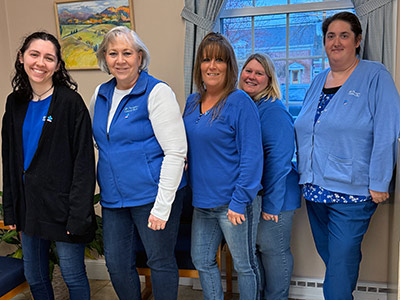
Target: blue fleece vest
<point>130,157</point>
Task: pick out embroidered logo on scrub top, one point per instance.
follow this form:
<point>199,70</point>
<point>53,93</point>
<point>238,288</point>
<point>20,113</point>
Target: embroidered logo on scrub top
<point>48,119</point>
<point>351,93</point>
<point>354,93</point>
<point>129,109</point>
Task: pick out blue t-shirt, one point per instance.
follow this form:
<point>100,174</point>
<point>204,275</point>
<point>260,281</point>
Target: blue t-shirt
<point>35,117</point>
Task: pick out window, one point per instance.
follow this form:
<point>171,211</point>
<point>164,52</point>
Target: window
<point>295,76</point>
<point>289,31</point>
<point>295,72</point>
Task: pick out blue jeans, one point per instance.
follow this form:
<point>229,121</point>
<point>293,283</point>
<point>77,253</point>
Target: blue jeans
<point>72,265</point>
<point>122,229</point>
<point>338,230</point>
<point>275,257</point>
<point>209,227</point>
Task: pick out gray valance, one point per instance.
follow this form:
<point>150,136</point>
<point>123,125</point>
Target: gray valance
<point>376,17</point>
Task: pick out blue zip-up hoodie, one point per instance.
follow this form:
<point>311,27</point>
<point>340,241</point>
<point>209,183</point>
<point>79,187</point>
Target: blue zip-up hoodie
<point>130,156</point>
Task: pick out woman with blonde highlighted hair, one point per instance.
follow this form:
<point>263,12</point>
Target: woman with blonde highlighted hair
<point>281,193</point>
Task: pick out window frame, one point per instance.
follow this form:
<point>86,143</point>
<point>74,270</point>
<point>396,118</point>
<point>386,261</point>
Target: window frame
<point>284,9</point>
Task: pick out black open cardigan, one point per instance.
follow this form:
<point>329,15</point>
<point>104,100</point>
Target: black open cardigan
<point>55,194</point>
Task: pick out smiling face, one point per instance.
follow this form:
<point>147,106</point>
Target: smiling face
<point>253,78</point>
<point>341,43</point>
<point>40,62</point>
<point>123,62</point>
<point>213,73</point>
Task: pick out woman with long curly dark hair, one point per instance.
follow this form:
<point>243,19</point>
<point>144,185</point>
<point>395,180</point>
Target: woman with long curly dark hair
<point>48,167</point>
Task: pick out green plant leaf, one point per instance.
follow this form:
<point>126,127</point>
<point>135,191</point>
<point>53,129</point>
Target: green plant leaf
<point>88,254</point>
<point>18,253</point>
<point>96,199</point>
<point>11,237</point>
<point>51,269</point>
<point>1,207</point>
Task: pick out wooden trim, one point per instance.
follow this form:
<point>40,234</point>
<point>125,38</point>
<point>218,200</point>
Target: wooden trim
<point>188,273</point>
<point>147,291</point>
<point>19,289</point>
<point>229,268</point>
<point>144,271</point>
<point>2,226</point>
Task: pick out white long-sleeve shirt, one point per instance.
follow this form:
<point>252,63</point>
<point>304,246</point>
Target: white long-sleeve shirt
<point>168,127</point>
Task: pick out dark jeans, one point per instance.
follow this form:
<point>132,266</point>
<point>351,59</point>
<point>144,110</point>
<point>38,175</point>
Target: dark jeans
<point>122,229</point>
<point>72,265</point>
<point>338,230</point>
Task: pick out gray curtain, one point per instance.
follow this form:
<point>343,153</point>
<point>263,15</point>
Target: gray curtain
<point>200,16</point>
<point>376,18</point>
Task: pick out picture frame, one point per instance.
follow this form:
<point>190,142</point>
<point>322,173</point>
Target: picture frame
<point>81,26</point>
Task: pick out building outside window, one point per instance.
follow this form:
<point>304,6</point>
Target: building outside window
<point>296,71</point>
<point>289,31</point>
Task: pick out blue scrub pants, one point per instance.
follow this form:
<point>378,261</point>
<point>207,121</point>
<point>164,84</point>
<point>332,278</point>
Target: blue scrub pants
<point>338,230</point>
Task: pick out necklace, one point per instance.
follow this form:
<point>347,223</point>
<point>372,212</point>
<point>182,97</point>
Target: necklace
<point>40,95</point>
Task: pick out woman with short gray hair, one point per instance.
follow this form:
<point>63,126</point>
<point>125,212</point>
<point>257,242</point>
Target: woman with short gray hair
<point>140,136</point>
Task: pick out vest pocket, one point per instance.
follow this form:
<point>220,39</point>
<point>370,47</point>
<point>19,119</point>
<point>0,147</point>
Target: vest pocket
<point>338,169</point>
<point>130,172</point>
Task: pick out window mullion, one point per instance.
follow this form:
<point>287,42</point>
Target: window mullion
<point>252,29</point>
<point>323,52</point>
<point>252,35</point>
<point>287,75</point>
<point>296,64</point>
<point>289,8</point>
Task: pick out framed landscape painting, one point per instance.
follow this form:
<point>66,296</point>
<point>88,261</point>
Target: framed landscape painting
<point>81,26</point>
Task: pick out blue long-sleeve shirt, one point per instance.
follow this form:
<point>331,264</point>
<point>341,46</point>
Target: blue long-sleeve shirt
<point>352,146</point>
<point>280,179</point>
<point>224,154</point>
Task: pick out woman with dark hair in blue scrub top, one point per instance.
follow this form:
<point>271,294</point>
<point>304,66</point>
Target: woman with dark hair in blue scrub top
<point>346,137</point>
